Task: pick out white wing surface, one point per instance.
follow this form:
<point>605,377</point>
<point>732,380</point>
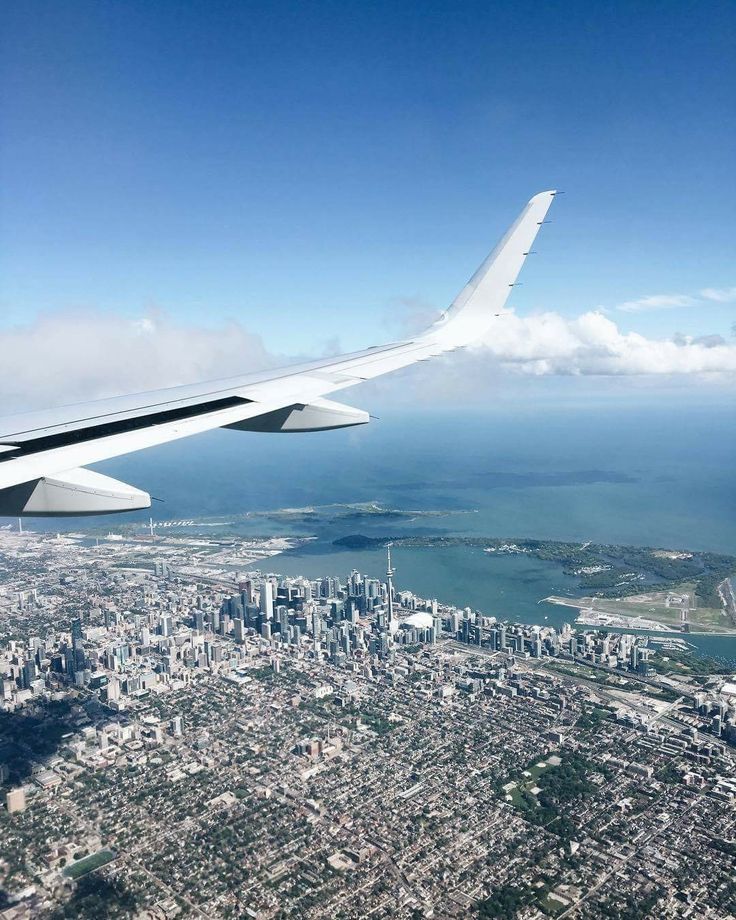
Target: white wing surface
<point>42,454</point>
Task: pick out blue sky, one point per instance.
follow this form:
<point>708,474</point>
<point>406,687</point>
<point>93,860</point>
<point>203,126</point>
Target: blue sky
<point>307,168</point>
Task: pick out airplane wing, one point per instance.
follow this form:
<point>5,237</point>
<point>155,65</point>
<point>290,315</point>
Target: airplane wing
<point>43,454</point>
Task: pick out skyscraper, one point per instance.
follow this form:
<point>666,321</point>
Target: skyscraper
<point>76,629</point>
<point>266,599</point>
<point>30,672</point>
<point>78,645</point>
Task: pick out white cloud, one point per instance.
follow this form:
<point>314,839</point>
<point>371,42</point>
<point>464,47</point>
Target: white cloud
<point>719,295</point>
<point>548,343</point>
<point>657,302</point>
<point>72,357</point>
<point>672,301</point>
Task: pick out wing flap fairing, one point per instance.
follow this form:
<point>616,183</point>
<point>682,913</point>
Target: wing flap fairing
<point>319,415</point>
<point>73,493</point>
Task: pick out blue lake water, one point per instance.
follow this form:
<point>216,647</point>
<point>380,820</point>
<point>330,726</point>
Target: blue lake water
<point>650,478</point>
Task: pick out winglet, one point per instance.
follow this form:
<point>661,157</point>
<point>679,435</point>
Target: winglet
<point>472,311</point>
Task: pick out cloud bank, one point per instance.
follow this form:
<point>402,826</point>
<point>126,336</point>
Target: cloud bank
<point>72,357</point>
<point>548,343</point>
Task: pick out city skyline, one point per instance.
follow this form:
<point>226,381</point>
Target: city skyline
<point>177,742</point>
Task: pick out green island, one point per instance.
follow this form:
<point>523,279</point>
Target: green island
<point>351,511</point>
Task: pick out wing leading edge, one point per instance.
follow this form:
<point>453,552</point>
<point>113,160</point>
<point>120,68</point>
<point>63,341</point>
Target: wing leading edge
<point>42,453</point>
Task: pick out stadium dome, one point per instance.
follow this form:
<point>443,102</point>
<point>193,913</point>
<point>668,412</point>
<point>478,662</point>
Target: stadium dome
<point>420,620</point>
